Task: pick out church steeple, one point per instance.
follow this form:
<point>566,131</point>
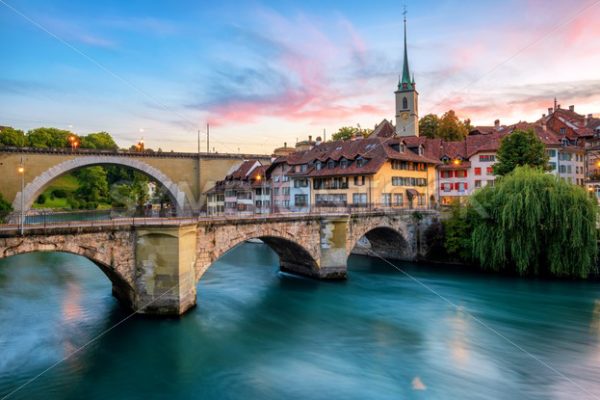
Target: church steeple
<point>405,82</point>
<point>407,98</point>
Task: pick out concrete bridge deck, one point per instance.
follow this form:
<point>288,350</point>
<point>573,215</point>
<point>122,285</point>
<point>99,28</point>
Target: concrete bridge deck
<point>155,263</point>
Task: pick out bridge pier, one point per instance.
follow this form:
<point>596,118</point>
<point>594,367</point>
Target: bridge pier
<point>333,237</point>
<point>165,281</point>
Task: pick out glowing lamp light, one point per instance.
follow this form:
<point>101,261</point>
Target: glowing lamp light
<point>21,169</point>
<point>456,161</point>
<point>598,163</point>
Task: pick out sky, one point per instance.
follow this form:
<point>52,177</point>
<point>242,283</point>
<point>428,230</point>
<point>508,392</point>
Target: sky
<point>262,73</point>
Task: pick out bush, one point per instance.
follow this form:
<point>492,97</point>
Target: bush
<point>59,193</point>
<point>5,208</point>
<point>41,199</point>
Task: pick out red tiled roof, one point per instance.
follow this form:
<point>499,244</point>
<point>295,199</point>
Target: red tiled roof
<point>242,171</point>
<point>385,129</point>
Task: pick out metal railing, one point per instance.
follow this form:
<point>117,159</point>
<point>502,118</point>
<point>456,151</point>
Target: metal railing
<point>129,217</point>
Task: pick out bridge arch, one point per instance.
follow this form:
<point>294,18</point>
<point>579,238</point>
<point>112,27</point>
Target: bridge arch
<point>122,288</point>
<point>34,188</point>
<point>294,257</point>
<point>383,241</point>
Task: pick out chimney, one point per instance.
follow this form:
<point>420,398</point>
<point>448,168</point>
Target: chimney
<point>550,110</point>
<point>285,144</point>
<point>318,142</point>
<point>572,108</point>
<point>558,106</point>
<point>543,115</point>
<point>544,126</point>
<point>497,123</point>
<point>309,138</point>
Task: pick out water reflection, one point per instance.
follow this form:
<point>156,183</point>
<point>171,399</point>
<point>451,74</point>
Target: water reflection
<point>260,334</point>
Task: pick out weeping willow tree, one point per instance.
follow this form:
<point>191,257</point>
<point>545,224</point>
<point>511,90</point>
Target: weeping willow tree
<point>536,224</point>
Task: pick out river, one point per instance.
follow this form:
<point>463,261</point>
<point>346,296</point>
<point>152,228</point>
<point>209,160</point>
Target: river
<point>259,334</point>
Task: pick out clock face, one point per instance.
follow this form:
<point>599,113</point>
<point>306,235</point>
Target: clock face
<point>404,116</point>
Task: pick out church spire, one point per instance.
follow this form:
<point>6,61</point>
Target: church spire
<point>405,82</point>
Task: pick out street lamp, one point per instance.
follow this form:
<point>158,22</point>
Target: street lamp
<point>22,173</point>
<point>262,195</point>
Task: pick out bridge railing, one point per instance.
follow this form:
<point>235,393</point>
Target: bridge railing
<point>39,219</point>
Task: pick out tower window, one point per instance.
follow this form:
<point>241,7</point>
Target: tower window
<point>405,103</point>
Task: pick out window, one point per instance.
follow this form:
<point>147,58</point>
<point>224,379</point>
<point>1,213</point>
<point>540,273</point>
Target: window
<point>398,199</point>
<point>446,174</point>
<point>331,200</point>
<point>487,158</point>
<point>330,164</point>
<point>360,162</point>
<point>460,173</point>
<point>285,178</point>
<point>446,187</point>
<point>551,153</point>
<point>276,178</point>
<point>478,184</point>
<point>276,191</point>
<point>303,167</point>
<point>478,171</point>
<point>552,166</point>
<point>405,103</point>
<point>359,199</point>
<point>359,180</point>
<point>300,183</point>
<point>489,170</point>
<point>318,165</point>
<point>421,150</point>
<point>563,131</point>
<point>230,193</point>
<point>569,170</point>
<point>564,156</point>
<point>461,186</point>
<point>386,199</point>
<point>285,191</point>
<point>562,169</point>
<point>406,181</point>
<point>344,163</point>
<point>301,200</point>
<point>244,196</point>
<point>421,200</point>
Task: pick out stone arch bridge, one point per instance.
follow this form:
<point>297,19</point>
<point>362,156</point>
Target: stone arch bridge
<point>155,265</point>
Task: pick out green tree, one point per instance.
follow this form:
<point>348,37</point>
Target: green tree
<point>457,233</point>
<point>12,137</point>
<point>5,208</point>
<point>49,138</point>
<point>520,148</point>
<point>450,128</point>
<point>93,185</point>
<point>99,140</point>
<point>348,132</point>
<point>534,223</point>
<point>428,126</point>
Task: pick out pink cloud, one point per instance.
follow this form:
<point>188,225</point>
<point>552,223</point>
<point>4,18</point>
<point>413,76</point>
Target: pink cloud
<point>310,60</point>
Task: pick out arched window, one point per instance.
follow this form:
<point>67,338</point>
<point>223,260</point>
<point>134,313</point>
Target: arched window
<point>404,103</point>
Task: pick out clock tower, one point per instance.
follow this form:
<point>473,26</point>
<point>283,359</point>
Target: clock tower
<point>407,99</point>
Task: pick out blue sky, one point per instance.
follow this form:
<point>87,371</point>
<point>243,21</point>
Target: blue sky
<point>267,72</point>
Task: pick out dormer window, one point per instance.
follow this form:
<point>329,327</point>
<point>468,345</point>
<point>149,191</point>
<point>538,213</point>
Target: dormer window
<point>445,159</point>
<point>563,131</point>
<point>331,164</point>
<point>421,150</point>
<point>360,162</point>
<point>343,163</point>
<point>402,148</point>
<point>318,165</point>
<point>565,142</point>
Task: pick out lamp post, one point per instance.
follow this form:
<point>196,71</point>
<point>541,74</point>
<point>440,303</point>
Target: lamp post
<point>259,178</point>
<point>22,173</point>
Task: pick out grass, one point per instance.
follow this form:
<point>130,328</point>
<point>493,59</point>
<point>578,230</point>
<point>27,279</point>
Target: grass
<point>69,183</point>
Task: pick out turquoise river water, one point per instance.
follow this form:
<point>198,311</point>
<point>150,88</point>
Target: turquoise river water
<point>260,334</point>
